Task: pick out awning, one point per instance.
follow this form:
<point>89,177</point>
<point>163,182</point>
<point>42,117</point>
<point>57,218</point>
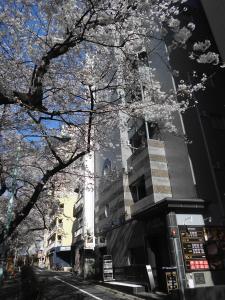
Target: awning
<point>171,204</point>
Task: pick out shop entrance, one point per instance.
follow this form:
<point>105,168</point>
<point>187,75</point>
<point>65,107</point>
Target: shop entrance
<point>158,257</point>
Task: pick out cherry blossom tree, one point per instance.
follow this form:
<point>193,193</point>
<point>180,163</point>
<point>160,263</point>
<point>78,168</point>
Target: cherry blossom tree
<point>66,70</point>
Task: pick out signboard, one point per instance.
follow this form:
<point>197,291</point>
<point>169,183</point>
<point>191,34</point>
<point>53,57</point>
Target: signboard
<point>193,241</point>
<point>89,242</point>
<point>171,281</point>
<point>65,248</point>
<point>203,247</point>
<point>107,268</point>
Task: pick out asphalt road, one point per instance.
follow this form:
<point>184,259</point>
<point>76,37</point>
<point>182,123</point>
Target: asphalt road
<point>62,286</point>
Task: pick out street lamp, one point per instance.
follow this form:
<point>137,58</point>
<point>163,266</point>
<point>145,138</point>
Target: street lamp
<point>38,249</point>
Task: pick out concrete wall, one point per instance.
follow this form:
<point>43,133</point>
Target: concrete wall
<point>67,218</point>
<point>109,186</point>
<point>181,179</point>
<point>122,239</point>
<point>88,202</point>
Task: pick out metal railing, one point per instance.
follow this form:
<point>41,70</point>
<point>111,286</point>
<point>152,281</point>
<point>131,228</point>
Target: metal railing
<point>77,225</point>
<point>57,229</point>
<point>78,207</point>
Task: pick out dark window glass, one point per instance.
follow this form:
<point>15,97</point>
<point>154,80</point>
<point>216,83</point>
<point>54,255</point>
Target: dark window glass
<point>107,167</point>
<point>138,190</point>
<point>143,57</point>
<point>138,140</point>
<point>152,129</point>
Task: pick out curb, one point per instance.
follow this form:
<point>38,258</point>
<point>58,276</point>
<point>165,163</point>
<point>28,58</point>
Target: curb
<point>117,292</point>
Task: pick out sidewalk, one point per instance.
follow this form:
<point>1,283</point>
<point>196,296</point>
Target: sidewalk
<point>135,291</point>
<point>25,286</point>
<point>104,288</point>
<point>10,289</point>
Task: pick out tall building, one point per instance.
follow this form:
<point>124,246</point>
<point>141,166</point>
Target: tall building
<point>165,207</point>
<point>83,241</point>
<point>58,238</point>
<point>204,121</point>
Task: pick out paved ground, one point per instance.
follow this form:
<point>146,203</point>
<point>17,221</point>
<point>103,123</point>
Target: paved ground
<point>58,286</point>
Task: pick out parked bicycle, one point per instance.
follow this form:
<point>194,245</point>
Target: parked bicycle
<point>58,267</point>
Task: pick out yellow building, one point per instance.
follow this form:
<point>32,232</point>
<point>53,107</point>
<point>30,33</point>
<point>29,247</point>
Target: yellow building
<point>58,238</point>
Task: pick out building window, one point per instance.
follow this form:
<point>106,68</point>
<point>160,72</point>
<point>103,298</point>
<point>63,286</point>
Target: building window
<point>138,135</point>
<point>138,190</point>
<point>138,139</point>
<point>102,240</point>
<point>153,129</point>
<point>61,207</point>
<point>60,222</point>
<point>52,225</point>
<point>77,190</point>
<point>143,58</point>
<point>107,167</point>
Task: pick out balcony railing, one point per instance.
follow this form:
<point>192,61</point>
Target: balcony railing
<point>78,235</point>
<point>77,225</point>
<point>60,225</point>
<point>57,228</point>
<point>53,244</point>
<point>78,203</point>
<point>78,207</point>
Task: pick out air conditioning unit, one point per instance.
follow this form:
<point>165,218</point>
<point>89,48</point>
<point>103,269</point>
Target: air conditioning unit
<point>101,241</point>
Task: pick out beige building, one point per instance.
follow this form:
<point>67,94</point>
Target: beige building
<point>58,238</point>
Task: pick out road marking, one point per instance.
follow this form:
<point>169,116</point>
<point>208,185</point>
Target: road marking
<point>75,287</point>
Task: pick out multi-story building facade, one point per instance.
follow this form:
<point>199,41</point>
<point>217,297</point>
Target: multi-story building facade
<point>83,241</point>
<point>58,238</point>
<point>165,208</point>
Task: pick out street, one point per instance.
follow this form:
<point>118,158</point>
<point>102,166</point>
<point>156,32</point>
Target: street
<point>62,286</point>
